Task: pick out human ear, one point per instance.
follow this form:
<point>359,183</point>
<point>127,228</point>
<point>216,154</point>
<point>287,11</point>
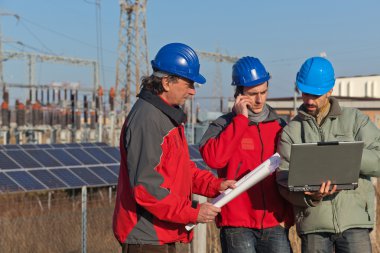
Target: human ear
<point>165,84</point>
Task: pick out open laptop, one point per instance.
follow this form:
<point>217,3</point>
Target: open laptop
<point>314,163</point>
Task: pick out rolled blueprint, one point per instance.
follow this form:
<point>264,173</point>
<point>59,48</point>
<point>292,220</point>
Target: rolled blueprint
<point>246,182</point>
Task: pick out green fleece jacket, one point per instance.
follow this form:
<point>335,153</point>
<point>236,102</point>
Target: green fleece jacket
<point>347,208</point>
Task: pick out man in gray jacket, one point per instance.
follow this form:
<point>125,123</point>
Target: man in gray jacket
<point>329,220</point>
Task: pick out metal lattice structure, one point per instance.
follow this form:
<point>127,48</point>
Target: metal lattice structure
<point>132,62</point>
<point>217,84</point>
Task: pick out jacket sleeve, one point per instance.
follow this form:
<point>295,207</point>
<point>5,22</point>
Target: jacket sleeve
<point>222,139</point>
<point>367,131</point>
<point>205,183</point>
<point>282,172</point>
<point>144,154</point>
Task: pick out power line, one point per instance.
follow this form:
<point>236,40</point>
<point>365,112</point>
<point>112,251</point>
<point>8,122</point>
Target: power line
<point>36,37</point>
<point>63,35</point>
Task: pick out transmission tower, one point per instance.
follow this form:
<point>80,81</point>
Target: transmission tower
<point>132,62</point>
<point>218,58</point>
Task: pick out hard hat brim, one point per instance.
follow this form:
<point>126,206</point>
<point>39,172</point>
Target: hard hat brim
<point>318,91</point>
<point>199,79</point>
<point>253,83</point>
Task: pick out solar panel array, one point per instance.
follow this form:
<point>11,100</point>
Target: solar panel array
<point>63,166</point>
<point>196,157</point>
<point>57,166</point>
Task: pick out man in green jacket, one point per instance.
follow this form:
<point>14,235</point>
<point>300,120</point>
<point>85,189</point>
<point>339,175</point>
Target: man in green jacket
<point>329,220</point>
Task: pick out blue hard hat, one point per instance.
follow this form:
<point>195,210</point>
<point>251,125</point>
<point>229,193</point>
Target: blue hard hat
<point>316,76</point>
<point>180,60</point>
<point>249,71</point>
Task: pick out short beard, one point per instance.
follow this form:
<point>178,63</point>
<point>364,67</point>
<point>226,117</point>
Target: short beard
<point>313,113</point>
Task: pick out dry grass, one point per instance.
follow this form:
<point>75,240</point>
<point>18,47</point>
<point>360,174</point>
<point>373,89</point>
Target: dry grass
<point>27,225</point>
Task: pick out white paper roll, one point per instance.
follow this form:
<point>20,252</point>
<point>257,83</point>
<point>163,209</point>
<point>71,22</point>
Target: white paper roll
<point>246,182</point>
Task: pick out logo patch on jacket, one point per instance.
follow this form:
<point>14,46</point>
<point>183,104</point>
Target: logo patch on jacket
<point>247,144</point>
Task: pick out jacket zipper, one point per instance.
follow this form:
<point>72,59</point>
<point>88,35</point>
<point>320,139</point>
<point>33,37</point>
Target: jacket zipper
<point>261,183</point>
<point>237,171</point>
<point>333,207</point>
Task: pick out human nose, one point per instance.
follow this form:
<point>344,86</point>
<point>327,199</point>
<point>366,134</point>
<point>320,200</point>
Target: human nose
<point>192,91</point>
<point>308,100</point>
<point>258,99</point>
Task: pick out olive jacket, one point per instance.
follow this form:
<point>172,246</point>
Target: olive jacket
<point>344,209</point>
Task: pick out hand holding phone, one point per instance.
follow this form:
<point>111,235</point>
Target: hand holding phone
<point>241,105</point>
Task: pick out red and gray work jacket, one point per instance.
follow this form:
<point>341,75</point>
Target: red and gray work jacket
<point>157,177</point>
<point>234,146</point>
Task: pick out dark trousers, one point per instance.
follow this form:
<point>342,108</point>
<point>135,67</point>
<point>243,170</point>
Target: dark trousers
<point>146,248</point>
<point>350,241</point>
<point>249,240</point>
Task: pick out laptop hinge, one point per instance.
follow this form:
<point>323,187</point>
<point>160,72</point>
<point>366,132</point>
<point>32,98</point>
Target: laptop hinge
<point>326,143</point>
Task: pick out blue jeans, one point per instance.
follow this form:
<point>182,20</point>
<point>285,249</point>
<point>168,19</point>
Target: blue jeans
<point>350,241</point>
<point>248,240</point>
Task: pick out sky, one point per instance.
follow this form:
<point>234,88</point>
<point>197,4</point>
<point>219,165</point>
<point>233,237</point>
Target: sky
<point>282,34</point>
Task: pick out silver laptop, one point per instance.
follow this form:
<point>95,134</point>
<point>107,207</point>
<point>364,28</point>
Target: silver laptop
<point>314,163</point>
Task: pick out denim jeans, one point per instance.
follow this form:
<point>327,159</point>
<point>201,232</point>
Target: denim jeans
<point>350,241</point>
<point>146,248</point>
<point>248,240</point>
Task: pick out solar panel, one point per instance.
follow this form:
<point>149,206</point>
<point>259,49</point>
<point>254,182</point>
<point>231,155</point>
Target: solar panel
<point>63,157</point>
<point>23,158</point>
<point>6,163</point>
<point>194,152</point>
<point>88,144</point>
<point>68,177</point>
<point>11,146</point>
<point>24,179</point>
<point>87,176</point>
<point>101,144</point>
<point>114,152</point>
<point>115,169</point>
<point>44,158</point>
<point>7,184</point>
<point>105,174</point>
<point>48,179</point>
<point>35,167</point>
<point>100,155</point>
<point>201,164</point>
<point>28,146</point>
<point>73,145</point>
<point>58,145</point>
<point>43,146</point>
<point>82,156</point>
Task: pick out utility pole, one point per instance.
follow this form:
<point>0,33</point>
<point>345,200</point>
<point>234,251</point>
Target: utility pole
<point>132,62</point>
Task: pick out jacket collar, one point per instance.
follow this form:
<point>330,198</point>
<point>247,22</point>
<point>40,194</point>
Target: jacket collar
<point>174,113</point>
<point>335,110</point>
<point>271,116</point>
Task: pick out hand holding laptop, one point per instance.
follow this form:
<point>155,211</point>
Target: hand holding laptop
<point>323,191</point>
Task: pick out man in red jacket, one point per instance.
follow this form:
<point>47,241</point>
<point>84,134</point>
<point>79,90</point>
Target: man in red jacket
<point>234,144</point>
<point>157,177</point>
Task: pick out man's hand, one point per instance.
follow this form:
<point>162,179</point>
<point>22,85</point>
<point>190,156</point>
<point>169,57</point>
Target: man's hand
<point>227,184</point>
<point>241,105</point>
<point>323,191</point>
<point>207,213</point>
